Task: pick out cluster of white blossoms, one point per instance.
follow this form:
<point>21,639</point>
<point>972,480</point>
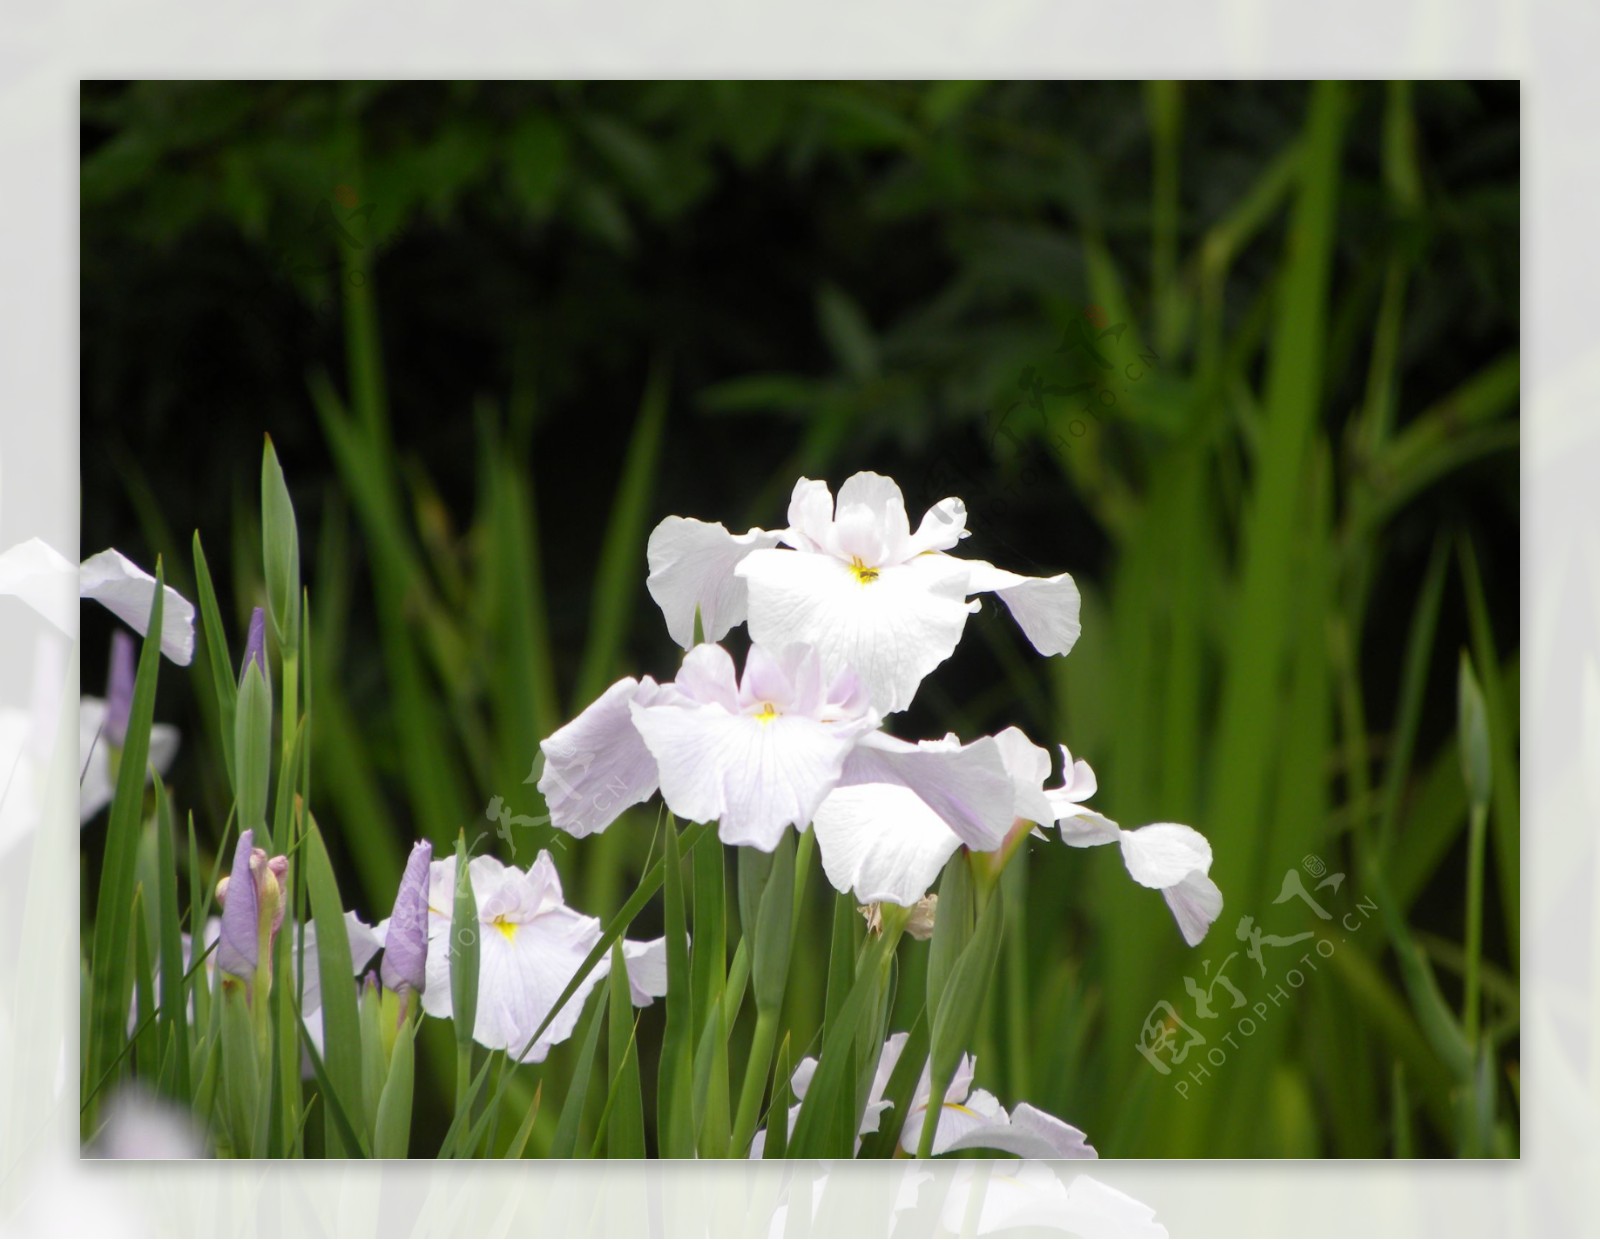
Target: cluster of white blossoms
<point>848,611</point>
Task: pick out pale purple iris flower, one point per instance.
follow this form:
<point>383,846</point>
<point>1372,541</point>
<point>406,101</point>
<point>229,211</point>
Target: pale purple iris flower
<point>759,754</point>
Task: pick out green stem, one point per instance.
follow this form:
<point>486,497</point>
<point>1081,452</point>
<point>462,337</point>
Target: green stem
<point>1475,848</point>
<point>291,701</point>
<point>463,1082</point>
<point>930,1120</point>
<point>755,1081</point>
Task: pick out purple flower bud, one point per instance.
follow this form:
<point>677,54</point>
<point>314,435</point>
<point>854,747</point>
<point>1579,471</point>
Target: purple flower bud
<point>253,905</point>
<point>255,646</point>
<point>238,948</point>
<point>119,688</point>
<point>405,955</point>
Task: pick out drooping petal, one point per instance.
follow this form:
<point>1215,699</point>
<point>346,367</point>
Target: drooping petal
<point>891,626</point>
<point>115,581</point>
<point>882,842</point>
<point>1045,608</point>
<point>1164,854</point>
<point>967,786</point>
<point>1167,856</point>
<point>41,577</point>
<point>405,954</point>
<point>691,566</point>
<point>753,775</point>
<point>239,949</point>
<point>1083,828</point>
<point>647,970</point>
<point>1196,902</point>
<point>981,1123</point>
<point>598,765</point>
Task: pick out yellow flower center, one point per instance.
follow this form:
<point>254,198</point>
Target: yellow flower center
<point>863,574</point>
<point>767,713</point>
<point>507,928</point>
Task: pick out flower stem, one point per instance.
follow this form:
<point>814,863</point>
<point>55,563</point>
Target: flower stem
<point>755,1081</point>
<point>930,1119</point>
<point>463,1081</point>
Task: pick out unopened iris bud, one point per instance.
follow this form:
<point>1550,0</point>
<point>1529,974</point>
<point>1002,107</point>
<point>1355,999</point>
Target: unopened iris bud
<point>255,646</point>
<point>405,954</point>
<point>252,909</point>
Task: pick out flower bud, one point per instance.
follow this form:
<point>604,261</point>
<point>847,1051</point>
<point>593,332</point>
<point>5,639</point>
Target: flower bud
<point>405,954</point>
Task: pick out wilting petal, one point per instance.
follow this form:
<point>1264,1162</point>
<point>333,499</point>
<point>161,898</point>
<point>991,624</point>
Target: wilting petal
<point>882,842</point>
<point>115,581</point>
<point>691,565</point>
<point>753,776</point>
<point>41,577</point>
<point>598,765</point>
<point>239,948</point>
<point>891,626</point>
<point>1196,902</point>
<point>405,953</point>
<point>981,1123</point>
<point>1045,608</point>
<point>967,786</point>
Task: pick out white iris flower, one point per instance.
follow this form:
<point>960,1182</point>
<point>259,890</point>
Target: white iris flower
<point>530,945</point>
<point>852,580</point>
